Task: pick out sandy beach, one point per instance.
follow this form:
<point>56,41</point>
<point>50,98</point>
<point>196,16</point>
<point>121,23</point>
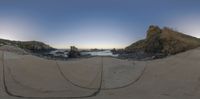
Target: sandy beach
<point>27,76</point>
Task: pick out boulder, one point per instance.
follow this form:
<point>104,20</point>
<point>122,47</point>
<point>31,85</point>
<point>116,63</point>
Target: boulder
<point>73,53</point>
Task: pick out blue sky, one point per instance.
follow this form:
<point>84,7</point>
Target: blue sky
<point>94,23</point>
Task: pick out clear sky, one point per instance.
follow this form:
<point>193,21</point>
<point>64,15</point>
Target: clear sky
<point>94,23</point>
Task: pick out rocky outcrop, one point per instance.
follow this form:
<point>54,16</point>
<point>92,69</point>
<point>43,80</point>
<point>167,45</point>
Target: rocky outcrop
<point>27,45</point>
<point>34,46</point>
<point>73,53</point>
<point>136,47</point>
<point>166,41</point>
<point>153,40</point>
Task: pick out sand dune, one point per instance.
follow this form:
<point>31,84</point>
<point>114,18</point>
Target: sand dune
<point>27,76</point>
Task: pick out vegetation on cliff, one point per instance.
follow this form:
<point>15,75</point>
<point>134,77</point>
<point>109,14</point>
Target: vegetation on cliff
<point>166,41</point>
<point>27,45</point>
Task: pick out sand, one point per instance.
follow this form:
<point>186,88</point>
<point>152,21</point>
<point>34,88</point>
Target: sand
<point>27,76</point>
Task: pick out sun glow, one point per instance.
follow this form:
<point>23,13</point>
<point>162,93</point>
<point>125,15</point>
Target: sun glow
<point>17,28</point>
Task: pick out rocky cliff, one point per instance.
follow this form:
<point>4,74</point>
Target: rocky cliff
<point>166,41</point>
<point>27,45</point>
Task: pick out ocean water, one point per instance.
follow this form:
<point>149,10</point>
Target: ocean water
<point>100,53</point>
<point>63,53</point>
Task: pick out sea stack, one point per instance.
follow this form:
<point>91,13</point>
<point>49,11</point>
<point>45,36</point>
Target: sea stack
<point>73,53</point>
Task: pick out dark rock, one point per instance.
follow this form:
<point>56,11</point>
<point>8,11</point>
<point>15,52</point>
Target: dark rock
<point>165,41</point>
<point>153,40</point>
<point>33,46</point>
<point>74,53</point>
<point>114,51</point>
<point>118,51</point>
<point>95,50</point>
<point>135,47</point>
<point>60,53</point>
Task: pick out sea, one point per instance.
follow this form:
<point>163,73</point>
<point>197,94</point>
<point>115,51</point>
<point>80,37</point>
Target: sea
<point>64,53</point>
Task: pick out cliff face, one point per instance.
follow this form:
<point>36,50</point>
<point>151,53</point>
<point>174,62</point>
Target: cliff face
<point>27,45</point>
<point>137,46</point>
<point>153,42</point>
<point>165,41</point>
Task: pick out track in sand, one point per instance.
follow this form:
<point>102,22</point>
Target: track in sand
<point>27,76</point>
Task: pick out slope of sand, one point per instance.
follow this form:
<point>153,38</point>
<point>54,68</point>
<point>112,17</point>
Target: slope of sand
<point>174,77</point>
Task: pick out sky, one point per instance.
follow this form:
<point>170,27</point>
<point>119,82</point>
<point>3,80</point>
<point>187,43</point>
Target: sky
<point>94,23</point>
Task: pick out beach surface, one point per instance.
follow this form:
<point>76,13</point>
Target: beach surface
<point>28,76</point>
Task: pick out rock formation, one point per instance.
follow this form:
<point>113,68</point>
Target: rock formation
<point>73,53</point>
<point>166,41</point>
<point>27,45</point>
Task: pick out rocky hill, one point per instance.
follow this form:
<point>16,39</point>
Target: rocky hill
<point>166,41</point>
<point>33,46</point>
<point>13,49</point>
